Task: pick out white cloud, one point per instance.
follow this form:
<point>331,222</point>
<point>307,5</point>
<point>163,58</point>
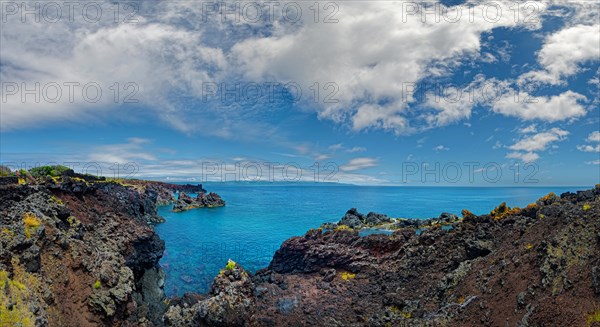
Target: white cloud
<point>123,153</point>
<point>371,40</point>
<point>356,149</point>
<point>554,108</point>
<point>525,148</point>
<point>589,148</point>
<point>528,129</point>
<point>440,148</point>
<point>540,141</point>
<point>595,162</point>
<point>594,137</point>
<point>564,51</point>
<point>359,163</point>
<point>526,157</point>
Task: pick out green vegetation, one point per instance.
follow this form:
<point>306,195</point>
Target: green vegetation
<point>15,295</point>
<point>503,211</point>
<point>52,171</point>
<point>31,222</point>
<point>230,265</point>
<point>400,312</point>
<point>56,200</point>
<point>586,207</point>
<point>97,285</point>
<point>5,171</point>
<point>593,317</point>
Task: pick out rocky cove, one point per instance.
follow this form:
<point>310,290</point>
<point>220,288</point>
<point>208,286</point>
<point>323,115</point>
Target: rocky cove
<point>77,251</point>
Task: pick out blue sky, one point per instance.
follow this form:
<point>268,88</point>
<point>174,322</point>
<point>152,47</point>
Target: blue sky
<point>376,120</point>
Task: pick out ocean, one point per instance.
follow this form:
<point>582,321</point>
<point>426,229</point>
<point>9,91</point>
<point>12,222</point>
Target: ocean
<point>259,217</point>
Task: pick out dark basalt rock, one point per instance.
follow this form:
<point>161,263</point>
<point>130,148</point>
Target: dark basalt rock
<point>203,200</point>
<point>353,219</point>
<point>538,258</point>
<point>93,256</point>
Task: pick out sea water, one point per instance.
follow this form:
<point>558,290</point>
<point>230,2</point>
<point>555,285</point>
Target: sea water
<point>259,217</point>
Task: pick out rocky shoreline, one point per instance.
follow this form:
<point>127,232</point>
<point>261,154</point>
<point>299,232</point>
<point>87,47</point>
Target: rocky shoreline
<point>83,252</point>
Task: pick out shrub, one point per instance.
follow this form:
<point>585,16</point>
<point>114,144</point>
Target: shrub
<point>586,207</point>
<point>230,265</point>
<point>52,171</point>
<point>97,285</point>
<point>5,171</point>
<point>503,211</point>
<point>31,222</point>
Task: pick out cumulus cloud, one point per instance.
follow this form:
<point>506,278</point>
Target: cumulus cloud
<point>526,148</point>
<point>564,51</point>
<point>373,82</point>
<point>594,137</point>
<point>546,108</point>
<point>361,65</point>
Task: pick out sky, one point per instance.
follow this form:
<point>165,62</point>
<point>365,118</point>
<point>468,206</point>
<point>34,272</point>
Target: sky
<point>450,93</point>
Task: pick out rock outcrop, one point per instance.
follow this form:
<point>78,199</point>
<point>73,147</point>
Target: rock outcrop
<point>203,200</point>
<point>83,253</point>
<point>76,252</point>
<point>535,266</point>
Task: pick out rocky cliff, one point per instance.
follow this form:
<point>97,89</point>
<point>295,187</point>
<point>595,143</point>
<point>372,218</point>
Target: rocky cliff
<point>77,252</point>
<point>535,266</point>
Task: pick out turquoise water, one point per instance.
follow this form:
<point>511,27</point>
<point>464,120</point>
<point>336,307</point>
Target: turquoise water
<point>258,218</point>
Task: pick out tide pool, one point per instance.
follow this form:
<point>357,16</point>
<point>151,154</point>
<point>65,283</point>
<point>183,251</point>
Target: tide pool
<point>258,218</point>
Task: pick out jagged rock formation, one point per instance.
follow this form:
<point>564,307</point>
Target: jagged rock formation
<point>165,191</point>
<point>536,266</point>
<point>84,254</point>
<point>203,200</point>
<point>76,252</point>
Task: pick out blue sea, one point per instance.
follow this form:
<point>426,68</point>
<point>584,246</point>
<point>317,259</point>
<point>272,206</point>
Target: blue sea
<point>259,217</point>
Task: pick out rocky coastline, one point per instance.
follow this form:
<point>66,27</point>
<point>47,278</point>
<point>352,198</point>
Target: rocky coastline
<point>83,252</point>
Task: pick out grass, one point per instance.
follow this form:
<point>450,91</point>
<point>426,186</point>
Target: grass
<point>16,293</point>
<point>31,222</point>
<point>97,285</point>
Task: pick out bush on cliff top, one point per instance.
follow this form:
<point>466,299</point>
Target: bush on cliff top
<point>52,171</point>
